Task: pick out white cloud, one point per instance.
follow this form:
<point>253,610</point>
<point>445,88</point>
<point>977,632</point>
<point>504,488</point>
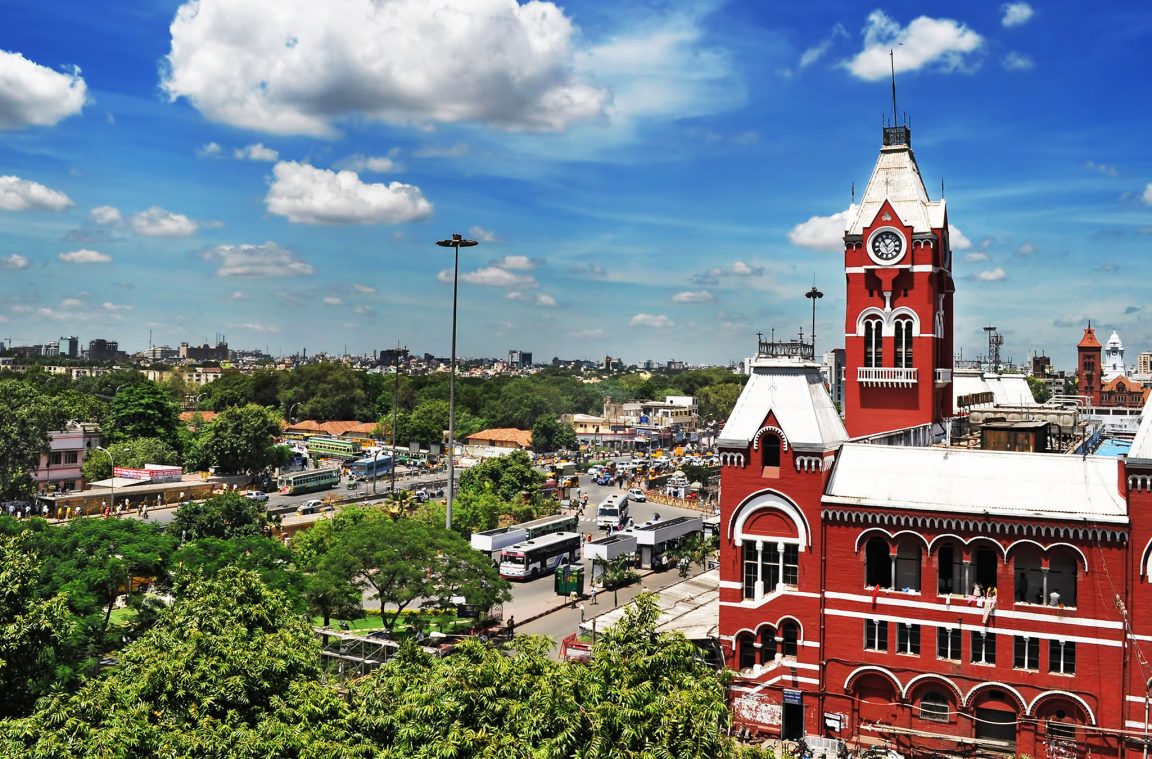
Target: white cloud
<point>1026,249</point>
<point>937,42</point>
<point>373,164</point>
<point>958,239</point>
<point>363,289</point>
<point>114,308</point>
<point>491,276</point>
<point>158,222</point>
<point>18,194</point>
<point>84,256</point>
<point>442,151</point>
<point>237,295</point>
<point>14,261</point>
<point>364,310</point>
<point>516,263</point>
<point>262,329</point>
<point>1016,14</point>
<point>482,234</point>
<point>743,269</point>
<point>248,260</point>
<point>820,49</point>
<point>822,232</point>
<point>1147,196</point>
<point>1014,61</point>
<point>651,320</point>
<point>209,150</point>
<point>35,95</point>
<point>1106,169</point>
<point>595,271</point>
<point>300,67</point>
<point>586,334</point>
<point>543,299</point>
<point>976,256</point>
<point>105,216</point>
<point>71,303</point>
<point>307,195</point>
<point>693,296</point>
<point>332,300</point>
<point>737,269</point>
<point>255,152</point>
<point>992,275</point>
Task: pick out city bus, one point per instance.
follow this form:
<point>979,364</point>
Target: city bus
<point>333,448</point>
<point>307,481</point>
<point>370,468</point>
<point>547,525</point>
<point>542,555</point>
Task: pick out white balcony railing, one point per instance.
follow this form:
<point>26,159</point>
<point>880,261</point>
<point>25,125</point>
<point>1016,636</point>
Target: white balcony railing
<point>943,377</point>
<point>885,376</point>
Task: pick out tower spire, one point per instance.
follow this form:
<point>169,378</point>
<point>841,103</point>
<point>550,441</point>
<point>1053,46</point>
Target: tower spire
<point>892,66</point>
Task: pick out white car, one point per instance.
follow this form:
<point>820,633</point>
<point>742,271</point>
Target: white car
<point>257,496</point>
<point>312,507</point>
<point>636,494</point>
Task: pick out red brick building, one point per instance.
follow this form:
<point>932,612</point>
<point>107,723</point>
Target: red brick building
<point>1089,367</point>
<point>886,587</point>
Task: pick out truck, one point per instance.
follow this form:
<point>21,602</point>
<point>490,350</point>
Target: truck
<point>612,511</point>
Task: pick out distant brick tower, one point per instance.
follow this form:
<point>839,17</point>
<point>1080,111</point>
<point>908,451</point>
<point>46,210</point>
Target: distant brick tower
<point>1088,362</point>
<point>898,320</point>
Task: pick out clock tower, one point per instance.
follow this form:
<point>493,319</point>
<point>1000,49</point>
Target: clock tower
<point>898,319</point>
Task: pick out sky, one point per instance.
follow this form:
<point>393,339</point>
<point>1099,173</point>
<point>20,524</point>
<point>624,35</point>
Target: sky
<point>654,179</point>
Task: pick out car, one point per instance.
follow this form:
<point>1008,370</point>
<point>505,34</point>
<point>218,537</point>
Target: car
<point>256,495</point>
<point>312,507</point>
<point>636,494</point>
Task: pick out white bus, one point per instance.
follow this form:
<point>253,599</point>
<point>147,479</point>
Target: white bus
<point>612,511</point>
<point>538,556</point>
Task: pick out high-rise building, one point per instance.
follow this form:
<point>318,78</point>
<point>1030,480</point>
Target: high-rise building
<point>69,346</point>
<point>103,350</point>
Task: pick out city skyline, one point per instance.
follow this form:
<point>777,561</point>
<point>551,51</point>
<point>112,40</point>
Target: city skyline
<point>643,183</point>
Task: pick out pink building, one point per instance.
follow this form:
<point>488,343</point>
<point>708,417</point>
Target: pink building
<point>59,467</point>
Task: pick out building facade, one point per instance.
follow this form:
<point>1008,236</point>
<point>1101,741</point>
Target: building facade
<point>60,466</point>
<point>882,587</point>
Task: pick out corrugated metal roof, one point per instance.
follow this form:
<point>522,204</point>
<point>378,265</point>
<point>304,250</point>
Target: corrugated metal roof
<point>1006,389</point>
<point>795,393</point>
<point>896,178</point>
<point>999,483</point>
<point>1142,443</point>
<point>691,607</point>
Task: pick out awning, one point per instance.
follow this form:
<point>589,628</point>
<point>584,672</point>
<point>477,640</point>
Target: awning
<point>120,482</point>
<point>963,739</point>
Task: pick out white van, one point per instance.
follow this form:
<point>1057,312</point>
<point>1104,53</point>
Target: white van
<point>612,511</point>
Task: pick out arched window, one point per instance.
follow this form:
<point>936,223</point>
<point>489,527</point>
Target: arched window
<point>934,706</point>
<point>790,632</point>
<point>770,449</point>
<point>873,343</point>
<point>768,645</point>
<point>878,564</point>
<point>903,341</point>
<point>746,651</point>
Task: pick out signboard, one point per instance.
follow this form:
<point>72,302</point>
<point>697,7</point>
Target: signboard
<point>833,722</point>
<point>793,696</point>
<point>414,448</point>
<point>434,449</point>
<point>152,473</point>
<point>644,419</point>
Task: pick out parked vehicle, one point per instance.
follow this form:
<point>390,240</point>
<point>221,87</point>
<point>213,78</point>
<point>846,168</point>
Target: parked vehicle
<point>312,507</point>
<point>257,496</point>
<point>637,494</point>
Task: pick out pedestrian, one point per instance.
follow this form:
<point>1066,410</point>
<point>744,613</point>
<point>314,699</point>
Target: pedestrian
<point>594,591</point>
<point>511,626</point>
<point>572,597</point>
<point>581,607</point>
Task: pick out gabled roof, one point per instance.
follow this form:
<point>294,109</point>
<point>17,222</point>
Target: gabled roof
<point>794,392</point>
<point>896,178</point>
<point>1006,389</point>
<point>335,428</point>
<point>978,483</point>
<point>522,438</point>
<point>1089,340</point>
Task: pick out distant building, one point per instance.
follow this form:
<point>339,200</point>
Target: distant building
<point>1144,363</point>
<point>69,347</point>
<point>161,353</point>
<point>832,370</point>
<point>519,359</point>
<point>59,467</point>
<point>1088,382</point>
<point>1113,361</point>
<point>205,352</point>
<point>103,350</point>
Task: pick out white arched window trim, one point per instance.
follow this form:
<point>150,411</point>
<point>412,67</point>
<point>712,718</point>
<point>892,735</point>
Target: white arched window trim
<point>777,502</point>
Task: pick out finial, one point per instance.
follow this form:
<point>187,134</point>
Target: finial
<point>892,65</point>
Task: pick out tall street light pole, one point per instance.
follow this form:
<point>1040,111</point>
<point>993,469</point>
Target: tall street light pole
<point>813,295</point>
<point>395,419</point>
<point>456,243</point>
<point>112,496</point>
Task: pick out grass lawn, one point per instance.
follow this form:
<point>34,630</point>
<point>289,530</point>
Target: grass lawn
<point>122,617</point>
<point>406,625</point>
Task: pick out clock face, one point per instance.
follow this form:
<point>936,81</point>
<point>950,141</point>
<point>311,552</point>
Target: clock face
<point>886,246</point>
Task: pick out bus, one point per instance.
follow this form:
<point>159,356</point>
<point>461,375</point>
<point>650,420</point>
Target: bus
<point>546,525</point>
<point>613,511</point>
<point>533,558</point>
<point>370,468</point>
<point>333,448</point>
<point>307,481</point>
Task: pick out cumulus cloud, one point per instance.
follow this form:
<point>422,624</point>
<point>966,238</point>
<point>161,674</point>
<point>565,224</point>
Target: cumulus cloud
<point>363,289</point>
<point>656,321</point>
<point>516,263</point>
<point>84,256</point>
<point>482,234</point>
<point>542,299</point>
<point>249,260</point>
<point>307,195</point>
<point>262,329</point>
<point>105,216</point>
<point>115,308</point>
<point>1147,196</point>
<point>18,194</point>
<point>1016,14</point>
<point>939,43</point>
<point>976,256</point>
<point>739,269</point>
<point>255,152</point>
<point>1014,61</point>
<point>586,334</point>
<point>958,239</point>
<point>300,67</point>
<point>158,222</point>
<point>14,261</point>
<point>332,300</point>
<point>991,275</point>
<point>373,164</point>
<point>822,232</point>
<point>209,150</point>
<point>490,276</point>
<point>693,296</point>
<point>1106,169</point>
<point>35,95</point>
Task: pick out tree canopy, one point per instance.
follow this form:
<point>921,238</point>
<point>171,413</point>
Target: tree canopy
<point>28,416</point>
<point>141,410</point>
<point>133,454</point>
<point>224,516</point>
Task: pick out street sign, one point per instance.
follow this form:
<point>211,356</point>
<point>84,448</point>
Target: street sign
<point>793,696</point>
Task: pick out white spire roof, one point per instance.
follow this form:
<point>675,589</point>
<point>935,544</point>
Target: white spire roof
<point>896,178</point>
<point>795,393</point>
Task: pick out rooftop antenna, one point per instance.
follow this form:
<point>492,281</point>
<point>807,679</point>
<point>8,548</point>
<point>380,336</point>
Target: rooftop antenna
<point>853,193</point>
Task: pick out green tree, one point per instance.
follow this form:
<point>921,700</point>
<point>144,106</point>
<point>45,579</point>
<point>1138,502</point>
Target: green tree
<point>225,516</point>
<point>521,403</point>
<point>233,388</point>
<point>429,420</point>
<point>26,417</point>
<point>717,401</point>
<point>1040,390</point>
<point>143,410</point>
<point>510,477</point>
<point>405,561</point>
<point>242,439</point>
<point>325,391</point>
<point>268,558</point>
<point>549,434</point>
<point>133,454</point>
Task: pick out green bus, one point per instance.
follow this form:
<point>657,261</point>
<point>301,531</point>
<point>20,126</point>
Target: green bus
<point>333,448</point>
<point>307,481</point>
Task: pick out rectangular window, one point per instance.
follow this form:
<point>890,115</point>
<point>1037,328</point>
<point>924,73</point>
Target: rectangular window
<point>71,457</point>
<point>751,566</point>
<point>875,635</point>
<point>1064,731</point>
<point>1062,657</point>
<point>948,643</point>
<point>907,639</point>
<point>983,647</point>
<point>55,458</point>
<point>791,564</point>
<point>1027,653</point>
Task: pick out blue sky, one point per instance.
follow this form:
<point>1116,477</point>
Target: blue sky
<point>646,179</point>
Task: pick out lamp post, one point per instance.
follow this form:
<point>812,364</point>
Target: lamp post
<point>112,495</point>
<point>813,295</point>
<point>375,474</point>
<point>456,243</point>
<point>291,409</point>
<point>395,419</point>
